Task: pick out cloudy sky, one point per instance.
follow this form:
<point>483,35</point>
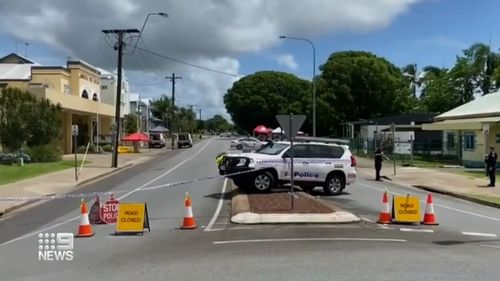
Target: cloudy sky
<point>231,38</point>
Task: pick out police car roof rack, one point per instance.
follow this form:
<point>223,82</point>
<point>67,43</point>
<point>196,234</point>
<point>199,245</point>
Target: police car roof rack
<point>324,140</point>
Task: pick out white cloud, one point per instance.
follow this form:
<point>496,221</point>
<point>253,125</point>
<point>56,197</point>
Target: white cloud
<point>287,60</point>
<point>208,32</point>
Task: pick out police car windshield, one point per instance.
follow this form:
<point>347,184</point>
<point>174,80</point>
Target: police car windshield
<point>273,149</point>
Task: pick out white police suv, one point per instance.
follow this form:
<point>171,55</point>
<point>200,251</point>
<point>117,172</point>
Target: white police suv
<point>317,162</point>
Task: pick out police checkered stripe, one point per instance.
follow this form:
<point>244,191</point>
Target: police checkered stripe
<point>309,160</point>
<point>115,192</point>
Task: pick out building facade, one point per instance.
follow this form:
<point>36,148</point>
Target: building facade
<point>470,129</point>
<point>76,87</point>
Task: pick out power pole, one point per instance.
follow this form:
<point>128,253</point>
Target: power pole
<point>120,34</point>
<point>172,119</point>
<point>201,124</point>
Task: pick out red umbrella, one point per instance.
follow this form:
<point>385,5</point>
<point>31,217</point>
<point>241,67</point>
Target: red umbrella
<point>136,137</point>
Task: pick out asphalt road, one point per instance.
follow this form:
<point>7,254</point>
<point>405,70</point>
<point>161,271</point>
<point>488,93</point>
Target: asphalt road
<point>218,250</point>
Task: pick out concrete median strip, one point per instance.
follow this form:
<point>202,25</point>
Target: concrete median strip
<point>241,213</point>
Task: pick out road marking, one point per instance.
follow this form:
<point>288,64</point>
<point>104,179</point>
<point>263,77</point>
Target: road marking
<point>417,230</point>
<point>219,207</point>
<point>490,246</point>
<point>383,226</point>
<point>367,219</point>
<point>438,205</point>
<point>308,239</point>
<point>125,195</point>
<point>479,234</point>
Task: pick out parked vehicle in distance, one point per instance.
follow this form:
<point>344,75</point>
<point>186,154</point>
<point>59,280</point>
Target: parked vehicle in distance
<point>246,143</point>
<point>157,140</point>
<point>184,139</point>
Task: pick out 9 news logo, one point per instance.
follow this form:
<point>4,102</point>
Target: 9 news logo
<point>55,246</point>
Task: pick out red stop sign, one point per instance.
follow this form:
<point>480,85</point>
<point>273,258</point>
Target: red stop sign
<point>109,211</point>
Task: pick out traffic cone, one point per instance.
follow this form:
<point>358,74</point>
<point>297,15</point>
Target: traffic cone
<point>385,214</point>
<point>429,216</point>
<point>189,221</point>
<point>85,229</point>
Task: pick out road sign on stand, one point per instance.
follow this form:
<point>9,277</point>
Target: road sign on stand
<point>109,211</point>
<point>291,125</point>
<point>132,218</point>
<point>406,209</point>
<point>290,128</point>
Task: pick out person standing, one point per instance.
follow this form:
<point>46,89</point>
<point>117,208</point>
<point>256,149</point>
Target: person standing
<point>491,163</point>
<point>378,162</point>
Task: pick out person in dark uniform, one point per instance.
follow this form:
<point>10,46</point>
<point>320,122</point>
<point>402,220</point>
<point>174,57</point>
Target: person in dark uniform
<point>491,163</point>
<point>378,162</point>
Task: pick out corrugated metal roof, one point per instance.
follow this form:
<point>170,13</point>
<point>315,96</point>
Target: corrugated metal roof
<point>461,124</point>
<point>488,105</point>
<point>15,71</point>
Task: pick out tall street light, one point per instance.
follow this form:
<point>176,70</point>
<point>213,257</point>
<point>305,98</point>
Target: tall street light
<point>313,78</point>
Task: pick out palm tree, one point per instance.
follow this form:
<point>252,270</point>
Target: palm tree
<point>410,72</point>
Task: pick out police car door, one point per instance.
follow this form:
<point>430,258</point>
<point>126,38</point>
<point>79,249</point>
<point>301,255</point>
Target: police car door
<point>301,164</point>
<point>327,158</point>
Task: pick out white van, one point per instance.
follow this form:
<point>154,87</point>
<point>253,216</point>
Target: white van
<point>184,139</point>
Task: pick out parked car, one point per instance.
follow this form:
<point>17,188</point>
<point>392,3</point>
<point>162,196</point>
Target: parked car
<point>316,163</point>
<point>184,139</point>
<point>246,143</point>
<point>157,140</point>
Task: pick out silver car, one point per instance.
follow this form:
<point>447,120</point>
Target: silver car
<point>246,143</point>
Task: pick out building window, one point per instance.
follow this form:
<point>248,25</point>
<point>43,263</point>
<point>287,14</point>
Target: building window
<point>85,95</point>
<point>470,141</point>
<point>95,98</point>
<point>450,140</point>
<point>67,89</point>
<point>104,87</point>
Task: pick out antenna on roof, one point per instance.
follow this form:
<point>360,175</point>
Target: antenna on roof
<point>26,49</point>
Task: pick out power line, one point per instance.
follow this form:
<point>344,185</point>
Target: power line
<point>187,63</point>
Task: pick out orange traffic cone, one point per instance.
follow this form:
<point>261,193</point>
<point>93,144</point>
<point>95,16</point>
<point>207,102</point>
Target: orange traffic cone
<point>429,216</point>
<point>385,214</point>
<point>189,221</point>
<point>85,229</point>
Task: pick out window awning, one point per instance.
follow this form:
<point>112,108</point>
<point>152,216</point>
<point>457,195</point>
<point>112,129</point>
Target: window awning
<point>460,124</point>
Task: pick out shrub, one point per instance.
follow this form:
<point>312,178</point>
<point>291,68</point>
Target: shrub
<point>44,153</point>
<point>107,148</point>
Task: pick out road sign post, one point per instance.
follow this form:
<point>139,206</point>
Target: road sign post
<point>291,125</point>
<point>74,133</point>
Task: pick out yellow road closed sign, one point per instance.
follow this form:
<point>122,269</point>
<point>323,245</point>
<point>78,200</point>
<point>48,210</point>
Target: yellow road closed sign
<point>406,209</point>
<point>132,217</point>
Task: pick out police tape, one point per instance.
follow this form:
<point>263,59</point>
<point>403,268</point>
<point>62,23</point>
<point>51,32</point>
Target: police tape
<point>116,192</point>
<point>174,184</point>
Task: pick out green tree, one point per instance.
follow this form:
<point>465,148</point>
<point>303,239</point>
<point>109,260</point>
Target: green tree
<point>161,108</point>
<point>439,94</point>
<point>130,123</point>
<point>24,119</point>
<point>218,124</point>
<point>256,99</point>
<point>359,85</point>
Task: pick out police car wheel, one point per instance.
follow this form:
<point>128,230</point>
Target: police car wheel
<point>263,182</point>
<point>334,185</point>
<point>239,147</point>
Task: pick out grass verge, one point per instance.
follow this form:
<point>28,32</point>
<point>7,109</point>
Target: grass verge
<point>10,174</point>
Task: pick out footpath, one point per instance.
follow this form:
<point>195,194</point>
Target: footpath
<point>439,180</point>
<point>97,166</point>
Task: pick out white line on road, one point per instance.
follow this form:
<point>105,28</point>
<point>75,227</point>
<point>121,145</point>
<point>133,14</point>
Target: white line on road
<point>219,207</point>
<point>490,246</point>
<point>479,234</point>
<point>417,230</point>
<point>383,226</point>
<point>367,219</point>
<point>438,205</point>
<point>125,195</point>
<point>308,239</point>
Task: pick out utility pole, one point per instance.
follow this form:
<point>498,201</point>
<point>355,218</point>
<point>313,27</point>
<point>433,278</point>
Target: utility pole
<point>172,119</point>
<point>201,124</point>
<point>120,34</point>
